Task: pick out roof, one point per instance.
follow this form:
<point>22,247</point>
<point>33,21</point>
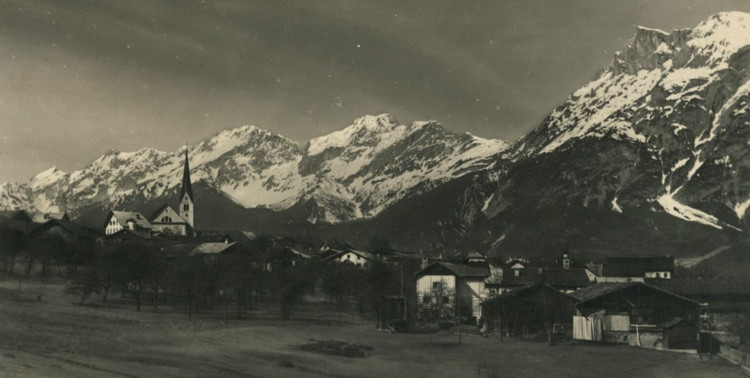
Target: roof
<point>72,227</point>
<point>125,234</point>
<point>186,186</point>
<point>211,248</point>
<point>597,269</point>
<point>464,271</point>
<point>365,255</point>
<point>600,289</point>
<point>179,250</point>
<point>240,236</point>
<point>637,266</point>
<point>43,217</point>
<point>298,253</point>
<point>604,289</point>
<point>124,216</point>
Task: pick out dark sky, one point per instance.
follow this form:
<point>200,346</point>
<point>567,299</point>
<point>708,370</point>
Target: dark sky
<point>81,77</point>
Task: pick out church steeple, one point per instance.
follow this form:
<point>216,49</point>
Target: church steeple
<point>186,194</point>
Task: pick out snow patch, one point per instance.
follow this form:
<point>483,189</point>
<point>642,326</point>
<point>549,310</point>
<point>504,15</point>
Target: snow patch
<point>674,208</point>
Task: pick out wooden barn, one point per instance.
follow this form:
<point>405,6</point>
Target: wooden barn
<point>529,311</point>
<point>632,312</point>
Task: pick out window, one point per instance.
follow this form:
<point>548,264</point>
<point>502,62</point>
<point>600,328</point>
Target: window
<point>427,299</point>
<point>186,207</point>
<point>166,219</point>
<point>437,285</point>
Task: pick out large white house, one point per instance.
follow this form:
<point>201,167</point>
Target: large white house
<point>127,220</point>
<point>454,282</point>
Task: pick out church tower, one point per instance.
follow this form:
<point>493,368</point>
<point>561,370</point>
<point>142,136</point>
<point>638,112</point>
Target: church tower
<point>187,204</point>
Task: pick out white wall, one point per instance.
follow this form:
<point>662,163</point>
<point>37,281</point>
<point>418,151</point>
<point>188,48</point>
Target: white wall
<point>353,258</point>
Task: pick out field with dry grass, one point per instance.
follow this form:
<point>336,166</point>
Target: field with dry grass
<point>55,336</point>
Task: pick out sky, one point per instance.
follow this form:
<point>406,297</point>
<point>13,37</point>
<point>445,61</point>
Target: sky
<point>81,77</point>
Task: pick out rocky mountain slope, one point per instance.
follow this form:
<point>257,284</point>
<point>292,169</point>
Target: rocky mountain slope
<point>662,130</point>
<point>349,174</point>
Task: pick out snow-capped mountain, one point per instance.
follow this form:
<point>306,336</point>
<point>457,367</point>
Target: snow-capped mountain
<point>349,174</point>
<point>676,104</point>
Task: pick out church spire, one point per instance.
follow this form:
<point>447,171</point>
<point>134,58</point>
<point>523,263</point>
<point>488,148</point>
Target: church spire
<point>186,186</point>
<point>187,202</point>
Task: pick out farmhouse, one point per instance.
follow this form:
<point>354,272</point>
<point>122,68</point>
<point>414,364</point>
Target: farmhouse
<point>460,289</point>
<point>530,310</point>
<point>629,312</point>
<point>565,276</point>
<point>353,256</point>
<point>130,220</point>
<point>70,231</point>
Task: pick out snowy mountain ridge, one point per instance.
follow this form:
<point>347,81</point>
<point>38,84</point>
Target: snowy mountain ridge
<point>352,173</point>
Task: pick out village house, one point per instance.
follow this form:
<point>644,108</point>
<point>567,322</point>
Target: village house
<point>43,217</point>
<point>634,313</point>
<point>459,287</point>
<point>353,256</point>
<point>70,231</point>
<point>637,269</point>
<point>130,220</point>
<point>209,252</point>
<point>533,310</point>
<point>566,275</point>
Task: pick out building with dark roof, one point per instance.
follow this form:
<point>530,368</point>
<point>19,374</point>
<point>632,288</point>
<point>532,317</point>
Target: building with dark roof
<point>530,310</point>
<point>69,230</point>
<point>637,268</point>
<point>629,312</point>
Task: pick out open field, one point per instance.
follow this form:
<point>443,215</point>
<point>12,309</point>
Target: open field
<point>55,337</point>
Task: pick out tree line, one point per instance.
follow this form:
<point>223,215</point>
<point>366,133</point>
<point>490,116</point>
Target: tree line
<point>147,274</point>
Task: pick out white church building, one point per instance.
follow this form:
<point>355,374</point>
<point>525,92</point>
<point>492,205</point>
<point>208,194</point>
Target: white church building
<point>165,221</point>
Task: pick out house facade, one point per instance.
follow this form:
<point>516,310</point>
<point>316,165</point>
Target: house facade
<point>132,221</point>
<point>630,312</point>
<point>358,258</point>
<point>452,289</point>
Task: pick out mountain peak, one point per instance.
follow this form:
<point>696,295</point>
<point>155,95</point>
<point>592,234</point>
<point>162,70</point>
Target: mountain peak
<point>384,120</point>
<point>364,130</point>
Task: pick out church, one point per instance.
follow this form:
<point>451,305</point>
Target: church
<point>165,221</point>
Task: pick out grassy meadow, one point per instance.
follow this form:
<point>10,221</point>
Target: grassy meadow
<point>45,332</point>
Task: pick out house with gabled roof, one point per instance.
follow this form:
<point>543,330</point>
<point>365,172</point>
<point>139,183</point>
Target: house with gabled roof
<point>69,230</point>
<point>462,284</point>
<point>353,256</point>
<point>629,312</point>
<point>530,310</point>
<point>130,220</point>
